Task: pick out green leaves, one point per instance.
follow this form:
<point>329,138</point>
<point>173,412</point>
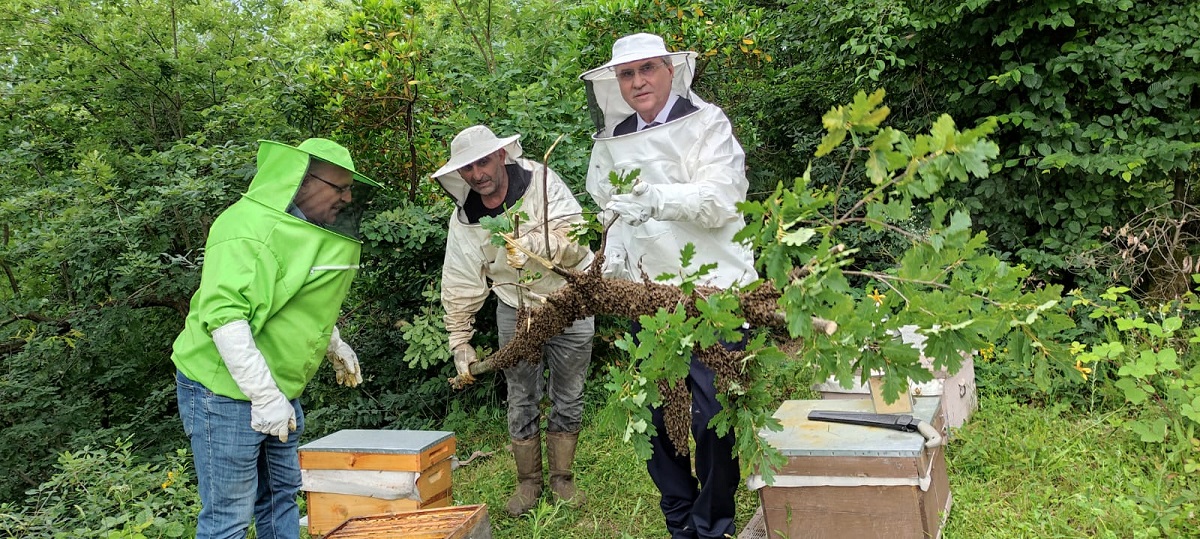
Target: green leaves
<point>424,334</point>
<point>632,395</point>
<point>504,223</point>
<point>623,182</point>
<point>1150,431</point>
<point>1156,370</point>
<point>864,114</point>
<point>109,492</point>
<point>946,283</point>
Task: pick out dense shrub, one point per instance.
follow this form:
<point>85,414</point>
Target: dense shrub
<point>108,493</point>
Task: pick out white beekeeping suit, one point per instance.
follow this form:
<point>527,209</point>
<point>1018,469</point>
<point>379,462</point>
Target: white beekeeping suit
<point>694,171</point>
<point>473,266</point>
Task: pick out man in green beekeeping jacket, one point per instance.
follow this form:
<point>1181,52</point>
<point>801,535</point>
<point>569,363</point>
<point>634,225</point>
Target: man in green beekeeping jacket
<point>277,266</point>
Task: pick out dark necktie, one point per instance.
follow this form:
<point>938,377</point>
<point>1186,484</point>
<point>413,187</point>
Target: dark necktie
<point>651,124</point>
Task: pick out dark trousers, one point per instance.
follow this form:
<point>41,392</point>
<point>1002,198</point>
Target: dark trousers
<point>701,506</point>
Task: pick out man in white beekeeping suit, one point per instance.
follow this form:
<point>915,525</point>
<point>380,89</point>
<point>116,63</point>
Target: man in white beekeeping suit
<point>692,177</point>
<point>487,176</point>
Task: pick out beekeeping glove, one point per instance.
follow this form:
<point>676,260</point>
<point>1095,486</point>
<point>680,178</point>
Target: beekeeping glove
<point>532,242</point>
<point>607,217</point>
<point>270,411</point>
<point>464,356</point>
<point>614,264</point>
<point>344,360</point>
<point>636,207</point>
<point>674,202</point>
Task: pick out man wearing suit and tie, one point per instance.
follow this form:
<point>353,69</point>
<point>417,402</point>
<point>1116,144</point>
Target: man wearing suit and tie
<point>692,177</point>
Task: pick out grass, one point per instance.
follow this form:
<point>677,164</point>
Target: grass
<point>1015,472</point>
<point>1019,471</point>
<point>622,501</point>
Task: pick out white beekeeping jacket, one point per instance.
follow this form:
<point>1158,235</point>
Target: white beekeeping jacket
<point>473,266</point>
<point>698,166</point>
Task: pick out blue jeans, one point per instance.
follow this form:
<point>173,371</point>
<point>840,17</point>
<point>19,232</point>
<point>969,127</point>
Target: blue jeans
<point>241,473</point>
<point>567,355</point>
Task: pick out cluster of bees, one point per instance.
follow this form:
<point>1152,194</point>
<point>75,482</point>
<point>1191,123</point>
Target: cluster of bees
<point>588,294</point>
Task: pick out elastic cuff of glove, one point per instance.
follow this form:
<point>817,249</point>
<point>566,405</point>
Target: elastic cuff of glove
<point>459,337</point>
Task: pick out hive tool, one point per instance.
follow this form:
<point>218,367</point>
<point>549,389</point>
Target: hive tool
<point>900,422</point>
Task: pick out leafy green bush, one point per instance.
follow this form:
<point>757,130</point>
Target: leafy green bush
<point>125,130</point>
<point>110,494</point>
<point>1094,102</point>
<point>1146,356</point>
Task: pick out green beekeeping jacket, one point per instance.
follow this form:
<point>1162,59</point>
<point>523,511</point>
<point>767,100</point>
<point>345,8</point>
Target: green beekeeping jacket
<point>286,276</point>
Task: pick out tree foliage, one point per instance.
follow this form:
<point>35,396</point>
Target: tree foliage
<point>947,287</point>
<point>126,127</point>
<point>1095,103</point>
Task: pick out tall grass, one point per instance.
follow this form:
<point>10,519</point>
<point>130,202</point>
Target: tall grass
<point>1016,471</point>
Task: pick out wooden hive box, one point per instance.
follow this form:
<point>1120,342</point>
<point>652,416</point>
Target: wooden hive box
<point>462,522</point>
<point>851,481</point>
<point>354,473</point>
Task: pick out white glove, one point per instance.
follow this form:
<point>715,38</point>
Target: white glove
<point>614,264</point>
<point>638,206</point>
<point>607,218</point>
<point>464,356</point>
<point>344,360</point>
<point>663,202</point>
<point>270,411</point>
<point>533,242</point>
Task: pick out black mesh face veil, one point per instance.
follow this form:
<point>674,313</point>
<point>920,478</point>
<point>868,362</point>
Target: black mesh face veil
<point>594,110</point>
<point>349,219</point>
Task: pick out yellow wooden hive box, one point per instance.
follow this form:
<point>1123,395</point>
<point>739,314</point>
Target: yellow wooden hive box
<point>461,522</point>
<point>355,473</point>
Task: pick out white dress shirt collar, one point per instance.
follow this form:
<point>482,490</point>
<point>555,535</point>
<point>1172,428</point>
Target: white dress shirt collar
<point>662,114</point>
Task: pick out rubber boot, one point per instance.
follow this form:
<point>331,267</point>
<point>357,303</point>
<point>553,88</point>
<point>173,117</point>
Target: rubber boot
<point>560,454</point>
<point>528,455</point>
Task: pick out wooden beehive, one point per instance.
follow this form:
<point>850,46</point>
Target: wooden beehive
<point>851,481</point>
<point>354,473</point>
<point>462,522</point>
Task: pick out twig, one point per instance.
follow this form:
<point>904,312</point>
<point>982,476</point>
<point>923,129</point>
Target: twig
<point>842,180</point>
<point>891,227</point>
<point>482,51</point>
<point>520,271</point>
<point>546,192</point>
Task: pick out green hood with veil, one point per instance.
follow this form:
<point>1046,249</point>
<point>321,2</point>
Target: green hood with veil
<point>286,276</point>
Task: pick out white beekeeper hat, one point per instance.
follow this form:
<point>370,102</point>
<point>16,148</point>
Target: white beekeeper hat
<point>475,142</point>
<point>636,47</point>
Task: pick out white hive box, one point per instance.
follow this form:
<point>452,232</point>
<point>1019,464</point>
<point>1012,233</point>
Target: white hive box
<point>958,393</point>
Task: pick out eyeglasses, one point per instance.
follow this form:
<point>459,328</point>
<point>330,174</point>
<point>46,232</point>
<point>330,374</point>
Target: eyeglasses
<point>645,70</point>
<point>341,190</point>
